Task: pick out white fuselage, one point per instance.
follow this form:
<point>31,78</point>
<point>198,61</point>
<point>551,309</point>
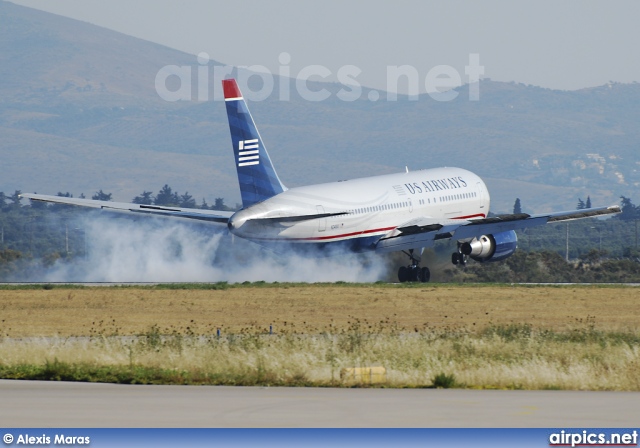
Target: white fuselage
<point>372,206</point>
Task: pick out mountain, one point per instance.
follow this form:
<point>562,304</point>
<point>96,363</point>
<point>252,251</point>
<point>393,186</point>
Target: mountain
<point>79,112</point>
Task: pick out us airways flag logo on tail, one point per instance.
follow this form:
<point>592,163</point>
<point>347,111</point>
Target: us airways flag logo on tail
<point>248,152</point>
<point>256,175</point>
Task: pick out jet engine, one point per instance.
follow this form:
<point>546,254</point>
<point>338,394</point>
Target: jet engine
<point>491,247</point>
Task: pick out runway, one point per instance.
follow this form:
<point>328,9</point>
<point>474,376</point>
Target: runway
<point>85,405</point>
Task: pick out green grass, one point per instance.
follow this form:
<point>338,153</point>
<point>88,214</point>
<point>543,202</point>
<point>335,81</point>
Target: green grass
<point>137,374</point>
<point>496,357</point>
<point>444,381</point>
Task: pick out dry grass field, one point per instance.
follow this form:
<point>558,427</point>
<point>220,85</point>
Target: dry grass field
<point>312,308</point>
<point>542,337</point>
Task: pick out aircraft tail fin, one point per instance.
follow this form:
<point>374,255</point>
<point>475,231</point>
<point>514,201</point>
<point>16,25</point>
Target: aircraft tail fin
<point>257,176</point>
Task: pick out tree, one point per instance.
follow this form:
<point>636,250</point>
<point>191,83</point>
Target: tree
<point>580,205</point>
<point>146,198</point>
<point>219,204</point>
<point>101,196</point>
<point>167,197</point>
<point>3,200</point>
<point>588,204</point>
<point>187,201</point>
<point>517,209</point>
<point>204,205</point>
<point>37,204</point>
<point>629,211</point>
<point>15,198</point>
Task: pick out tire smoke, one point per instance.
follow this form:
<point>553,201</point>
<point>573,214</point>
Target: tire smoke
<point>164,250</point>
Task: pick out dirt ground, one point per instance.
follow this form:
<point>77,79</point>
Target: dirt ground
<point>312,308</point>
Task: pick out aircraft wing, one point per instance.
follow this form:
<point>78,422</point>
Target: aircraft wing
<point>424,232</point>
<point>217,216</point>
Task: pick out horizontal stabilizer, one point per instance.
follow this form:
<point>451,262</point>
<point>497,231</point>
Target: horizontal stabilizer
<point>217,216</point>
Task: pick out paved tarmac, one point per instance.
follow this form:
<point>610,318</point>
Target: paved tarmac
<point>59,404</point>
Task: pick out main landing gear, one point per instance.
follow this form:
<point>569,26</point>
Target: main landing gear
<point>458,258</point>
<point>413,272</point>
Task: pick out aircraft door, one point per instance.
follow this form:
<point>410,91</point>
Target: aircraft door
<point>481,193</point>
<point>322,222</point>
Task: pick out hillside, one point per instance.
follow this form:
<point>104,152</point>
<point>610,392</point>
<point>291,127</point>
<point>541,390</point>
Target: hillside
<point>79,112</point>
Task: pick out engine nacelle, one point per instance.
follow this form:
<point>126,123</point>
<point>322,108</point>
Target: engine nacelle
<point>491,247</point>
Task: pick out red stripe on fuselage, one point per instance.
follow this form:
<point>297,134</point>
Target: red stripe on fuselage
<point>478,215</point>
<point>324,238</point>
<point>346,235</point>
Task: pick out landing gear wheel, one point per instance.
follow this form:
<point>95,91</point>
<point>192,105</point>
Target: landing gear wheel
<point>458,259</point>
<point>413,272</point>
<point>403,274</point>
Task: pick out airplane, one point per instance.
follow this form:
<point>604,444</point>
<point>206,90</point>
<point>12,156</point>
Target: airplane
<point>407,211</point>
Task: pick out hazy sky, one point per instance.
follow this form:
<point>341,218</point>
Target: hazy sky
<point>567,44</point>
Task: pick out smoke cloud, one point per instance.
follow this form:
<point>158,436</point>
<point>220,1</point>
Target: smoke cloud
<point>164,250</point>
